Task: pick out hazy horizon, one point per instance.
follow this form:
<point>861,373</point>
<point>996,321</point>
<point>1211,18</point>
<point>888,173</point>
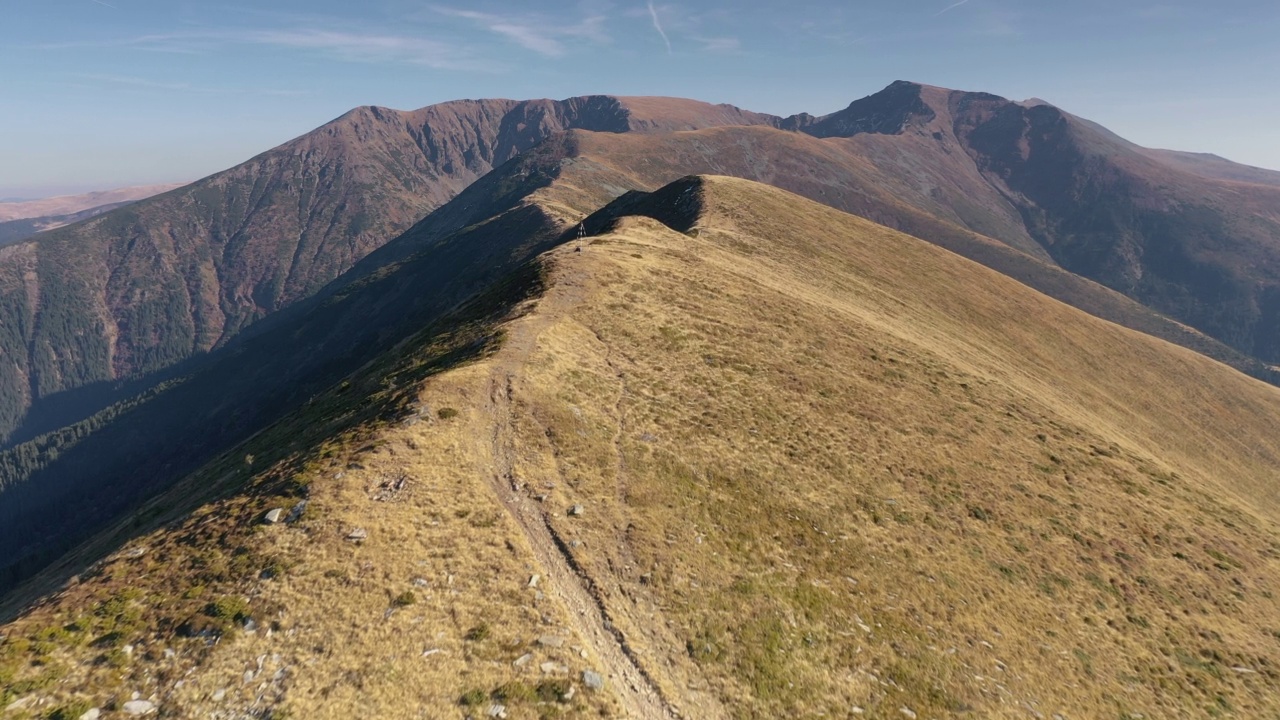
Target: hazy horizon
<point>130,92</point>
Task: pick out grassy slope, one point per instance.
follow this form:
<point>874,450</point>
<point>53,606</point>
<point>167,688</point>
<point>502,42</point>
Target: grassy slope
<point>823,465</point>
<point>833,173</point>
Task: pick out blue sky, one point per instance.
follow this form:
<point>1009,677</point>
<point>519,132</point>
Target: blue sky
<point>103,93</point>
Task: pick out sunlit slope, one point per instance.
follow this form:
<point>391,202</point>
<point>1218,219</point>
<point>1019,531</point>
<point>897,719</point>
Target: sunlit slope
<point>765,460</point>
<point>848,468</point>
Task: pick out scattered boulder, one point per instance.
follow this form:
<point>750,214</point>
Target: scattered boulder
<point>553,668</point>
<point>389,489</point>
<point>295,513</point>
<point>219,694</point>
<point>91,714</point>
<point>554,641</point>
<point>523,660</point>
<point>138,707</point>
<point>273,516</point>
<point>358,535</point>
<point>533,581</point>
<point>908,712</point>
<point>497,711</point>
<point>593,680</point>
<point>576,510</point>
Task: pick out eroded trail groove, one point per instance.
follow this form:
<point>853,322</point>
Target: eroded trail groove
<point>564,578</point>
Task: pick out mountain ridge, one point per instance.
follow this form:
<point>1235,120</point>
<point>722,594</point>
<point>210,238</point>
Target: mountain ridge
<point>797,462</point>
<point>179,275</point>
<point>336,306</point>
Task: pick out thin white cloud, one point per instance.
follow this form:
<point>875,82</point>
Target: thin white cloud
<point>184,87</point>
<point>340,45</point>
<point>538,34</point>
<point>720,44</point>
<point>107,4</point>
<point>657,25</point>
<point>360,47</point>
<point>951,7</point>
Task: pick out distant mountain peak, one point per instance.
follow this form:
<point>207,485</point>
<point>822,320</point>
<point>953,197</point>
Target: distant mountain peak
<point>887,112</point>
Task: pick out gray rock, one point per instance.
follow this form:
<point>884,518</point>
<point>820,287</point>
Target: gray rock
<point>91,714</point>
<point>593,680</point>
<point>295,513</point>
<point>497,711</point>
<point>273,516</point>
<point>138,707</point>
<point>533,581</point>
<point>554,641</point>
<point>358,534</point>
<point>523,660</point>
<point>576,510</point>
<point>911,714</point>
<point>219,694</point>
<point>552,668</point>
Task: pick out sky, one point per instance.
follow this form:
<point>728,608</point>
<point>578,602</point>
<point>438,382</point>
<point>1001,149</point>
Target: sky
<point>97,94</point>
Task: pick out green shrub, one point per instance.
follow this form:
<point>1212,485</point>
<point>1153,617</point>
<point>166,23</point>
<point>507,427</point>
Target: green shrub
<point>446,413</point>
<point>552,690</point>
<point>70,711</point>
<point>228,608</point>
<point>514,692</point>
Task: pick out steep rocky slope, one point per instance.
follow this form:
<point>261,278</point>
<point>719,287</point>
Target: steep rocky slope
<point>1193,237</point>
<point>100,310</point>
<point>734,454</point>
<point>58,487</point>
<point>135,292</point>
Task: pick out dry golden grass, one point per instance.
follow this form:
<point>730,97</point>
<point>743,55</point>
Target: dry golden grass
<point>797,425</point>
<point>822,466</point>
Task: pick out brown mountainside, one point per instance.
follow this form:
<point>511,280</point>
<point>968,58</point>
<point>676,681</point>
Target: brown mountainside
<point>733,454</point>
<point>143,288</point>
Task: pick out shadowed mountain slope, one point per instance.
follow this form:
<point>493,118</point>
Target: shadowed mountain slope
<point>1179,233</point>
<point>736,454</point>
<point>138,290</point>
<point>100,309</point>
<point>87,473</point>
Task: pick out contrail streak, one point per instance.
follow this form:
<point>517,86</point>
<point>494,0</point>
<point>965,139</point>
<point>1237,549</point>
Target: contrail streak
<point>657,25</point>
<point>950,7</point>
<point>100,2</point>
